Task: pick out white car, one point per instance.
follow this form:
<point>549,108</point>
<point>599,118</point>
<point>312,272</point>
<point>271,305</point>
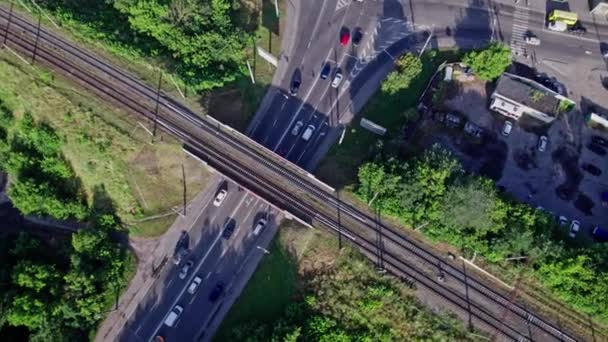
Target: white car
<point>562,220</point>
<point>296,128</point>
<point>542,143</point>
<point>219,198</point>
<point>308,132</point>
<point>258,227</point>
<point>574,228</point>
<point>506,129</point>
<point>194,284</point>
<point>531,40</point>
<point>173,316</point>
<point>337,80</point>
<point>184,271</point>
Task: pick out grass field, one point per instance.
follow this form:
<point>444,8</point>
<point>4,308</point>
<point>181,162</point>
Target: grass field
<point>105,145</point>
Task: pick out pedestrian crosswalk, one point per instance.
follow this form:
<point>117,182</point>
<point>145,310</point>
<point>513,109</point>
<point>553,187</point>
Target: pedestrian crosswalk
<point>519,30</point>
<point>342,3</point>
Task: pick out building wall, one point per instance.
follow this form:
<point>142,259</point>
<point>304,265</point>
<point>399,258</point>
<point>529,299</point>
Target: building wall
<point>515,110</point>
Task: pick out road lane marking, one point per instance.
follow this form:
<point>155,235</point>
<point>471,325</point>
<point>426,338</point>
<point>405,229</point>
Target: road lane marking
<point>193,274</point>
<point>208,275</point>
<point>303,102</point>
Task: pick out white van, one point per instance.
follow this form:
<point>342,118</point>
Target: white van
<point>173,316</point>
<point>308,132</point>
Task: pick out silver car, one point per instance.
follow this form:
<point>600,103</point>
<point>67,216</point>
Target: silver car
<point>184,271</point>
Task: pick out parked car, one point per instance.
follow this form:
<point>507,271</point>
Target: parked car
<point>295,86</point>
<point>296,128</point>
<point>173,316</point>
<point>558,26</point>
<point>184,271</point>
<point>229,228</point>
<point>337,79</point>
<point>308,132</point>
<point>604,49</point>
<point>542,143</point>
<point>592,169</point>
<point>194,284</point>
<point>597,149</point>
<point>562,220</point>
<point>219,198</point>
<point>216,292</point>
<point>357,36</point>
<point>574,228</point>
<point>600,234</point>
<point>532,40</point>
<point>344,38</point>
<point>179,255</point>
<point>506,128</point>
<point>325,71</point>
<point>596,139</point>
<point>258,227</point>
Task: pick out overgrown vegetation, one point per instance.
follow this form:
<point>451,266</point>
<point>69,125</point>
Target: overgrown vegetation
<point>468,212</point>
<point>490,62</point>
<point>198,39</point>
<point>408,68</point>
<point>339,297</point>
<point>56,289</point>
<point>43,181</point>
<point>103,147</point>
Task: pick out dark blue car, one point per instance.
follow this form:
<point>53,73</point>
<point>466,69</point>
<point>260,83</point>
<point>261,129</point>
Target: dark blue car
<point>325,71</point>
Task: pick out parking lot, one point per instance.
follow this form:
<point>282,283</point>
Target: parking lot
<point>552,179</point>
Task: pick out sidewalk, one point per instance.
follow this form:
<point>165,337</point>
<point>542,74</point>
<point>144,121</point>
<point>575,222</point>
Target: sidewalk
<point>152,254</point>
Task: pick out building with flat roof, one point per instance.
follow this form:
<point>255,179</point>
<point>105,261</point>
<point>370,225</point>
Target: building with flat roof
<point>515,96</point>
<point>599,7</point>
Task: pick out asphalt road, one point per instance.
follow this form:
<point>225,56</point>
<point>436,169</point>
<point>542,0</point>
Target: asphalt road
<point>216,259</point>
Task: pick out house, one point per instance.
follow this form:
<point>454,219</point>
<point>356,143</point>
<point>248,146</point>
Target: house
<point>515,96</point>
<point>599,7</point>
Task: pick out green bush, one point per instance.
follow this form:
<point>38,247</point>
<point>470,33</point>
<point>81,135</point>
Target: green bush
<point>490,62</point>
<point>468,212</point>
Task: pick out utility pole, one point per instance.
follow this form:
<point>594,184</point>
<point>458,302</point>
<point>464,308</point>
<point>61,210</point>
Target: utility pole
<point>36,41</point>
<point>339,223</point>
<point>184,181</point>
<point>8,24</point>
<point>160,80</point>
<point>466,287</point>
<point>380,242</point>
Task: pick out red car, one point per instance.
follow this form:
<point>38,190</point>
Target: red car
<point>344,38</point>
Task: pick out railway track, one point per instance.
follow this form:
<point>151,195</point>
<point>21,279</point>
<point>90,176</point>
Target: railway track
<point>226,150</point>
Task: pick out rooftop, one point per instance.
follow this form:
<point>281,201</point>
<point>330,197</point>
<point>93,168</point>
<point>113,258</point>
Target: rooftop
<point>528,93</point>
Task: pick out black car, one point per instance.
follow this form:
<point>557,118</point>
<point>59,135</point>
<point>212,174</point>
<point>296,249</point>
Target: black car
<point>357,37</point>
<point>325,71</point>
<point>216,292</point>
<point>295,86</point>
<point>229,229</point>
<point>599,141</point>
<point>592,169</point>
<point>597,149</point>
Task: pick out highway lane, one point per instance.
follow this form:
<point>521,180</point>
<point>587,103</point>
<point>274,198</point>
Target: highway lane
<point>216,259</point>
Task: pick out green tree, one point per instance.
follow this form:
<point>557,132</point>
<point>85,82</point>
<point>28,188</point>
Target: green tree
<point>408,67</point>
<point>490,62</point>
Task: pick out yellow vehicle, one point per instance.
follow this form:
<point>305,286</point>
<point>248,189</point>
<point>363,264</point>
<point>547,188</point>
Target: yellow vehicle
<point>569,18</point>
